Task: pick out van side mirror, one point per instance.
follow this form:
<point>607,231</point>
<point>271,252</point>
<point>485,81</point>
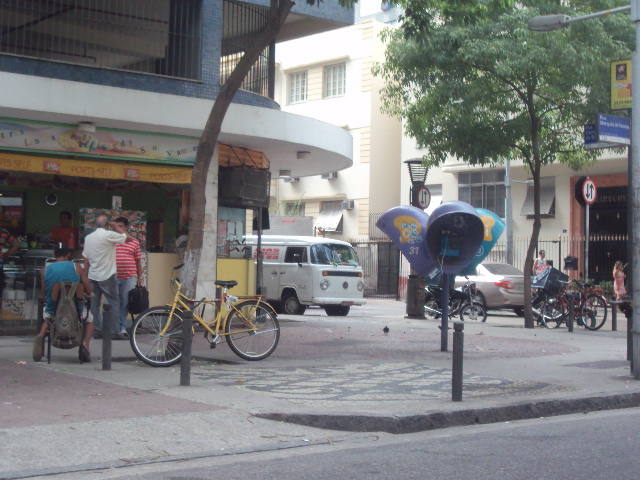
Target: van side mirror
<point>297,258</point>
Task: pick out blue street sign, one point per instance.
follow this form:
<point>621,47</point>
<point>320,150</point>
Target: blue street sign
<point>614,129</point>
<point>609,132</point>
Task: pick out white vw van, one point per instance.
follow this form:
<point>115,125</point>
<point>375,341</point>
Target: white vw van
<point>302,271</point>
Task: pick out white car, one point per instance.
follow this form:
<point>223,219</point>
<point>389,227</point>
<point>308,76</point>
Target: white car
<point>499,285</point>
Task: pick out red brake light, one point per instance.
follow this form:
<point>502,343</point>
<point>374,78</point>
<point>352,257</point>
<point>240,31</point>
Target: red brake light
<point>504,284</point>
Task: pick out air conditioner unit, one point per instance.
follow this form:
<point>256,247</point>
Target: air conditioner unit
<point>348,204</point>
<point>291,179</point>
<point>330,175</point>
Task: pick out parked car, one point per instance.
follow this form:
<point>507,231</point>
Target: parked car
<point>499,286</point>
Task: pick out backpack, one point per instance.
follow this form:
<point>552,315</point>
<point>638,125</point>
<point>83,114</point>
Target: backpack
<point>138,300</point>
<point>66,329</point>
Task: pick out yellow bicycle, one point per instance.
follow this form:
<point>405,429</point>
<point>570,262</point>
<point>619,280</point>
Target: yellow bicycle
<point>249,325</point>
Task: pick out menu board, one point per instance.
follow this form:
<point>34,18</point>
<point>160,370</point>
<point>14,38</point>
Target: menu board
<point>137,222</point>
<point>12,209</point>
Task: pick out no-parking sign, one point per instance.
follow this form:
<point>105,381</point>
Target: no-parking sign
<point>589,191</point>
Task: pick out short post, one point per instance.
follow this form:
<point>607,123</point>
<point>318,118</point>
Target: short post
<point>107,322</point>
<point>614,317</point>
<point>629,337</point>
<point>456,373</point>
<point>444,323</point>
<point>571,312</point>
<point>187,340</point>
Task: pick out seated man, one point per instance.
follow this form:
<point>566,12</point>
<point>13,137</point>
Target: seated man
<point>63,270</point>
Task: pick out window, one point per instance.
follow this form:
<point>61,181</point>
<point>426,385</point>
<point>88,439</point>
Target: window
<point>294,209</point>
<point>296,255</point>
<point>298,87</point>
<point>334,80</point>
<point>547,199</point>
<point>483,190</point>
<point>330,254</point>
<point>330,218</point>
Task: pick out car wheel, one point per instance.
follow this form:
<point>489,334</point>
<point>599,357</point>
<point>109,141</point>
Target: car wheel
<point>291,305</point>
<point>519,311</point>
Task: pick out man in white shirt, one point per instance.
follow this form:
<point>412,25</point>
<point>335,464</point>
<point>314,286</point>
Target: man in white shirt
<point>100,262</point>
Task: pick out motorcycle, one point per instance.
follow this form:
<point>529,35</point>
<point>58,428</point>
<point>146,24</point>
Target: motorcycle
<point>463,301</point>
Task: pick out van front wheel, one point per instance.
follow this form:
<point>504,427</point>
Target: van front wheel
<point>337,310</point>
<point>291,305</point>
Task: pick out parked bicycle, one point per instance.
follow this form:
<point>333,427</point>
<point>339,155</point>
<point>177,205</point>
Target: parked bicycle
<point>463,301</point>
<point>589,306</point>
<point>249,325</point>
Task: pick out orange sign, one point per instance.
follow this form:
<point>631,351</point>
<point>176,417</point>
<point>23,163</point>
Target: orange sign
<point>91,169</point>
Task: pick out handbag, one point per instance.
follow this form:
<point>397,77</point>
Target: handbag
<point>138,300</point>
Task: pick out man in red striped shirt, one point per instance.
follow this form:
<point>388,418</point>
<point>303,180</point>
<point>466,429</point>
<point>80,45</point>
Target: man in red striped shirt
<point>128,275</point>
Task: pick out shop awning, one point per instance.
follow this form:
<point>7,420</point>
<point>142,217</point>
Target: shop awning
<point>547,197</point>
<point>329,217</point>
<point>135,172</point>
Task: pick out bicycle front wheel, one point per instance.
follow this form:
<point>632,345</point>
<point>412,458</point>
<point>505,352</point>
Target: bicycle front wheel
<point>554,311</point>
<point>252,331</point>
<point>473,312</point>
<point>151,347</point>
<point>594,312</point>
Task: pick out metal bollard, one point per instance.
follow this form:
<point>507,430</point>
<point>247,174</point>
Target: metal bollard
<point>614,317</point>
<point>107,322</point>
<point>571,312</point>
<point>456,373</point>
<point>187,340</point>
<point>629,318</point>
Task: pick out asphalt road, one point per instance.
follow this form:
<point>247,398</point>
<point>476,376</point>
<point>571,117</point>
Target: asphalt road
<point>574,447</point>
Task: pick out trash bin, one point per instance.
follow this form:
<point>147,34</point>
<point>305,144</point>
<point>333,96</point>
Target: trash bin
<point>415,297</point>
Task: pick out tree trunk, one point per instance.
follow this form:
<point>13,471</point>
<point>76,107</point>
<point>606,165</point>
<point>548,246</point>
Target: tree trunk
<point>278,12</point>
<point>533,242</point>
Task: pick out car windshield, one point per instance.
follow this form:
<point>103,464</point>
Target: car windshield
<point>501,269</point>
<point>334,254</point>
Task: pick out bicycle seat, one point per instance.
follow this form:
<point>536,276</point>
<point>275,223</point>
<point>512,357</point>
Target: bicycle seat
<point>226,283</point>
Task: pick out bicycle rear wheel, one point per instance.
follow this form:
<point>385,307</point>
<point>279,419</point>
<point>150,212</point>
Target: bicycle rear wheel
<point>252,331</point>
<point>594,312</point>
<point>151,347</point>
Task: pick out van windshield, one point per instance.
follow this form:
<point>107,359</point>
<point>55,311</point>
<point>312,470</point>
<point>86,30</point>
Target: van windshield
<point>334,254</point>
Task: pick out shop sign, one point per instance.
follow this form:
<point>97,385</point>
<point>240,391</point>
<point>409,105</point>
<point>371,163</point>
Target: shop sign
<point>28,136</point>
<point>621,85</point>
<point>90,169</point>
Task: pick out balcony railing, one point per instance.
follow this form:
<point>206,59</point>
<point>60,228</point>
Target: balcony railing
<point>151,36</point>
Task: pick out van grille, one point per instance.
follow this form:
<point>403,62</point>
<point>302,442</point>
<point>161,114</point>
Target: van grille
<point>329,273</point>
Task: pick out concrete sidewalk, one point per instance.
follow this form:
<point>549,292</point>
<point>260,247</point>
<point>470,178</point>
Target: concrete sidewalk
<point>330,379</point>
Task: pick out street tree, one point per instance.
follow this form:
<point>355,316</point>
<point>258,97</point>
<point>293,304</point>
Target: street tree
<point>472,82</point>
<point>278,11</point>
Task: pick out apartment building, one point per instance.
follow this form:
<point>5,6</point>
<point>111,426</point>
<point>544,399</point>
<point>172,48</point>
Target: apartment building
<point>101,109</point>
<point>328,76</point>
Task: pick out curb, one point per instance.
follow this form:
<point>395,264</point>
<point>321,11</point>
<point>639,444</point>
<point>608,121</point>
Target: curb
<point>120,464</point>
<point>397,424</point>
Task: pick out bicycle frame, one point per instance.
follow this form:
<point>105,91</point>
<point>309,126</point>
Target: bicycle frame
<point>225,306</point>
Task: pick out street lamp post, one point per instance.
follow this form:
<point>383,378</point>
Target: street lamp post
<point>415,282</point>
<point>547,23</point>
